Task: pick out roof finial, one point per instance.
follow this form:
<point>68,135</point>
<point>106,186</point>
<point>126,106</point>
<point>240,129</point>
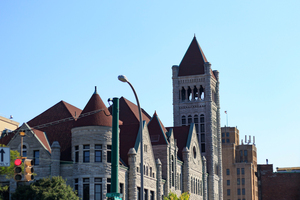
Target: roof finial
<point>194,35</point>
<point>95,90</point>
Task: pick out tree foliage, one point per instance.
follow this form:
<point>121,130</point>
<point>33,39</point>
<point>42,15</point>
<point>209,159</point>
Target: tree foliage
<point>9,171</point>
<point>173,196</point>
<point>46,189</point>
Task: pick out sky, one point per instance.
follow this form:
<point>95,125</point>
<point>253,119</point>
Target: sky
<point>60,50</point>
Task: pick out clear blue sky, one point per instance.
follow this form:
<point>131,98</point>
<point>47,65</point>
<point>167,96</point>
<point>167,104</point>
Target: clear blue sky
<point>60,50</point>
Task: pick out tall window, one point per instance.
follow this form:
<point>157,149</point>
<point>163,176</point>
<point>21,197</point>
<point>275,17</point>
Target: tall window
<point>228,182</point>
<point>243,191</point>
<point>24,151</point>
<point>238,181</point>
<point>109,153</point>
<point>243,181</point>
<point>98,153</point>
<point>202,131</point>
<point>151,195</point>
<point>36,157</point>
<point>121,188</point>
<point>86,153</point>
<point>183,120</point>
<point>239,191</point>
<point>76,185</point>
<point>243,170</point>
<point>227,172</point>
<point>190,120</point>
<point>86,189</point>
<point>245,156</point>
<point>98,189</point>
<point>228,192</point>
<point>196,123</point>
<point>173,181</point>
<point>238,171</point>
<point>76,153</point>
<point>108,184</point>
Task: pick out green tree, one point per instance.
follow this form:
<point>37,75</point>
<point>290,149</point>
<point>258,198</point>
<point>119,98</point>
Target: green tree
<point>9,171</point>
<point>173,196</point>
<point>46,189</point>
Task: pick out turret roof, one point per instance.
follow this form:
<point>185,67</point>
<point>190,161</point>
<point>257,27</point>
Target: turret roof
<point>101,117</point>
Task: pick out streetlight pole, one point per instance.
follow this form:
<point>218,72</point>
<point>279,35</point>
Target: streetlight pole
<point>124,79</point>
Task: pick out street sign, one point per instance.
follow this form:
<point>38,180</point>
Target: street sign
<point>4,156</point>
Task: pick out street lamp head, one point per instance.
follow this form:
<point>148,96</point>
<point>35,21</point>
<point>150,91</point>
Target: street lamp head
<point>123,78</point>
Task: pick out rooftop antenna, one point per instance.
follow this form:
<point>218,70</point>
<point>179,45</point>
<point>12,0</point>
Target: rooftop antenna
<point>226,117</point>
<point>254,140</point>
<point>249,141</point>
<point>245,139</point>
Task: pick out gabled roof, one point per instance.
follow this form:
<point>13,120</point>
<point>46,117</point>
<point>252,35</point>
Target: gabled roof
<point>101,118</point>
<point>128,136</point>
<point>157,131</point>
<point>181,134</point>
<point>60,132</point>
<point>129,112</point>
<point>61,110</point>
<point>42,137</point>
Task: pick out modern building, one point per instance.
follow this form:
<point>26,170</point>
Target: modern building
<point>239,166</point>
<point>196,100</point>
<point>280,185</point>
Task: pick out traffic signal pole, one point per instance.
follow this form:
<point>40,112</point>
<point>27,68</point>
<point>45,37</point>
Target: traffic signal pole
<point>114,195</point>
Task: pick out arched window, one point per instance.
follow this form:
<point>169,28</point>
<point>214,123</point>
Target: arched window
<point>24,151</point>
<point>196,94</point>
<point>196,121</point>
<point>189,92</point>
<point>190,119</point>
<point>201,92</point>
<point>183,97</point>
<point>183,120</point>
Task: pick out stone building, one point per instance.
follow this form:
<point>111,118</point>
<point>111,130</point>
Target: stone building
<point>196,100</point>
<point>76,144</point>
<point>239,166</point>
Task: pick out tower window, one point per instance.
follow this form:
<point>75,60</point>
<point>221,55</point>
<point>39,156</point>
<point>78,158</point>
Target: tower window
<point>189,91</point>
<point>183,120</point>
<point>183,97</point>
<point>190,120</point>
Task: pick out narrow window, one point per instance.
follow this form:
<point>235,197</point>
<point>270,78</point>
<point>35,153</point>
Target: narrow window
<point>24,151</point>
<point>238,171</point>
<point>36,157</point>
<point>183,120</point>
<point>243,181</point>
<point>238,181</point>
<point>121,188</point>
<point>227,172</point>
<point>76,185</point>
<point>228,192</point>
<point>190,120</point>
<point>189,91</point>
<point>77,154</point>
<point>98,189</point>
<point>108,184</point>
<point>151,195</point>
<point>98,153</point>
<point>239,191</point>
<point>243,170</point>
<point>86,189</point>
<point>173,181</point>
<point>109,153</point>
<point>183,94</point>
<point>146,194</point>
<point>86,153</point>
<point>243,191</point>
<point>196,93</point>
<point>196,123</point>
<point>228,182</point>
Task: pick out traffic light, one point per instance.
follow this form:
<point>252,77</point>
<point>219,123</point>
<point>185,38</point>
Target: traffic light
<point>28,170</point>
<point>18,170</point>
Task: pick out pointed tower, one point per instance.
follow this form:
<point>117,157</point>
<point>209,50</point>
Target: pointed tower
<point>196,100</point>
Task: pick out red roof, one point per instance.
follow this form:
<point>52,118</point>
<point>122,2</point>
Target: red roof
<point>128,136</point>
<point>181,134</point>
<point>43,138</point>
<point>129,112</point>
<point>193,60</point>
<point>101,118</point>
<point>157,131</point>
<point>60,132</point>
